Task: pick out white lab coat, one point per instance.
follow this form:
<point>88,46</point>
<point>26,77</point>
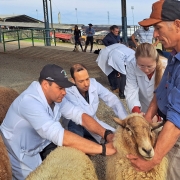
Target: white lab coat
<point>139,89</point>
<point>114,57</point>
<point>96,91</point>
<point>30,125</point>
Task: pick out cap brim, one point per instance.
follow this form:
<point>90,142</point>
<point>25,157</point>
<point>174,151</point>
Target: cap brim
<point>64,84</point>
<point>149,22</point>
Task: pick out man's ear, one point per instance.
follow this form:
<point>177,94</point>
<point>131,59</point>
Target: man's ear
<point>177,24</point>
<point>45,84</point>
<point>72,80</point>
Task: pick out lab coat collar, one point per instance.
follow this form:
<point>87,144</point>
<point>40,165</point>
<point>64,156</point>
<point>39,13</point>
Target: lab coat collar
<point>91,96</point>
<point>42,96</point>
<point>141,73</point>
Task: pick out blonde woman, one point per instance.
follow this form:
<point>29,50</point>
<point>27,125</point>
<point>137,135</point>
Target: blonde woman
<point>143,75</point>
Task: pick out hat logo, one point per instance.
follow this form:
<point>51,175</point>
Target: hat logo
<point>50,78</point>
<point>65,74</point>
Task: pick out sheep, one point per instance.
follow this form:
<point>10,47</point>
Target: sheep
<point>64,163</point>
<point>134,136</point>
<point>7,96</point>
<point>5,166</point>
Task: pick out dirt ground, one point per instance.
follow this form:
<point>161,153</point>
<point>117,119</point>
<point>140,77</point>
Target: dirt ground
<point>18,68</point>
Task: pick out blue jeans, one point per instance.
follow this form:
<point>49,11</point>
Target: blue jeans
<point>80,130</point>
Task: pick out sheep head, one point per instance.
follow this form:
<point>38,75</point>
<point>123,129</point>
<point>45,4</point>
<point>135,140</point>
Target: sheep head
<point>138,134</point>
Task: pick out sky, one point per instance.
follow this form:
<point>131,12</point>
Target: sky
<point>97,12</point>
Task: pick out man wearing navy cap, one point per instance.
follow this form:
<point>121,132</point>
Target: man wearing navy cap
<point>31,128</point>
<point>89,39</point>
<point>165,18</point>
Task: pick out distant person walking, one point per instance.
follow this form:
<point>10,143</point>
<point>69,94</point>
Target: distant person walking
<point>77,36</point>
<point>89,33</point>
<point>112,37</point>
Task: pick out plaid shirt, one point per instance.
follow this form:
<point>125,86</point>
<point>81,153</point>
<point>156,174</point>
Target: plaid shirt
<point>144,36</point>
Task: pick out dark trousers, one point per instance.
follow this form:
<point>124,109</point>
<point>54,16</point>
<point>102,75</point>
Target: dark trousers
<point>47,150</point>
<point>78,42</point>
<point>112,77</point>
<point>80,130</point>
<point>89,39</point>
<point>121,83</point>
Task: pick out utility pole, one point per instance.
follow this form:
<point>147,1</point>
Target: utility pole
<point>132,7</point>
<point>46,23</point>
<point>76,15</point>
<point>37,13</point>
<point>108,17</point>
<point>124,21</point>
<point>59,18</point>
<point>51,14</point>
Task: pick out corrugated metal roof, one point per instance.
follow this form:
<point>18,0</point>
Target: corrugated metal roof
<point>18,18</point>
<point>38,25</point>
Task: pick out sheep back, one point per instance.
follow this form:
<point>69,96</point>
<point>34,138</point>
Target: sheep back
<point>5,166</point>
<point>120,168</point>
<point>7,96</point>
<point>65,163</point>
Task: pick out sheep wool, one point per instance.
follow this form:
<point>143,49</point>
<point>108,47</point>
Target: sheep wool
<point>7,96</point>
<point>65,163</point>
<point>5,166</point>
<point>119,167</point>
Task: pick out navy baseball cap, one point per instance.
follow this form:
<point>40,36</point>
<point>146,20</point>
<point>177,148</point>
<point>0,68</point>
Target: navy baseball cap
<point>168,10</point>
<point>57,74</point>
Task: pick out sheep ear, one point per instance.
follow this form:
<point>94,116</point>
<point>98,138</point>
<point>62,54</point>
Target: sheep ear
<point>157,125</point>
<point>119,121</point>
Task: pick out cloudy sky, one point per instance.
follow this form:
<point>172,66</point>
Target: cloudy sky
<point>88,11</point>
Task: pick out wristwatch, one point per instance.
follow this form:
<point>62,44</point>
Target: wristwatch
<point>106,133</point>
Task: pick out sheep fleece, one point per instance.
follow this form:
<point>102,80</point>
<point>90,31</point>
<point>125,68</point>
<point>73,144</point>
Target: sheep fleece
<point>5,166</point>
<point>65,163</point>
<point>7,96</point>
<point>120,168</point>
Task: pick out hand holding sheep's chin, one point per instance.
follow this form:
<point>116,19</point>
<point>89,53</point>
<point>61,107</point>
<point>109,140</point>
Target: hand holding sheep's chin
<point>110,150</point>
<point>141,164</point>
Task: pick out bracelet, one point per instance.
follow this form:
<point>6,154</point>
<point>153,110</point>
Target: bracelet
<point>103,149</point>
<point>106,133</point>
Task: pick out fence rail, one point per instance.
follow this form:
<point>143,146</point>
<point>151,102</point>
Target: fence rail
<point>32,34</point>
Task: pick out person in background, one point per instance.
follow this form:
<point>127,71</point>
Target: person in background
<point>144,35</point>
<point>114,58</point>
<point>112,37</point>
<point>31,128</point>
<point>165,17</point>
<point>86,94</point>
<point>77,38</point>
<point>89,37</point>
<point>143,74</point>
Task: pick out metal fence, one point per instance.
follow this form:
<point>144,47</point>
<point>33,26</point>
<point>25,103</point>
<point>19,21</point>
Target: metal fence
<point>32,34</point>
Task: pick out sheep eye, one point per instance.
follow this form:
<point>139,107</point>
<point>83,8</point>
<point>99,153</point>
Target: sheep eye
<point>127,129</point>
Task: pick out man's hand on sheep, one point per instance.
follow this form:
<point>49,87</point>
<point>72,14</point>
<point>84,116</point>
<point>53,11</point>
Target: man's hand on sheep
<point>110,149</point>
<point>141,164</point>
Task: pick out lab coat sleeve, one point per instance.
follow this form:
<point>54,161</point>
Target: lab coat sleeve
<point>34,112</point>
<point>131,88</point>
<point>70,111</point>
<point>111,100</point>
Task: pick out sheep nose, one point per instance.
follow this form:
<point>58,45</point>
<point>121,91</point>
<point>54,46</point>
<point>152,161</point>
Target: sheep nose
<point>148,152</point>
